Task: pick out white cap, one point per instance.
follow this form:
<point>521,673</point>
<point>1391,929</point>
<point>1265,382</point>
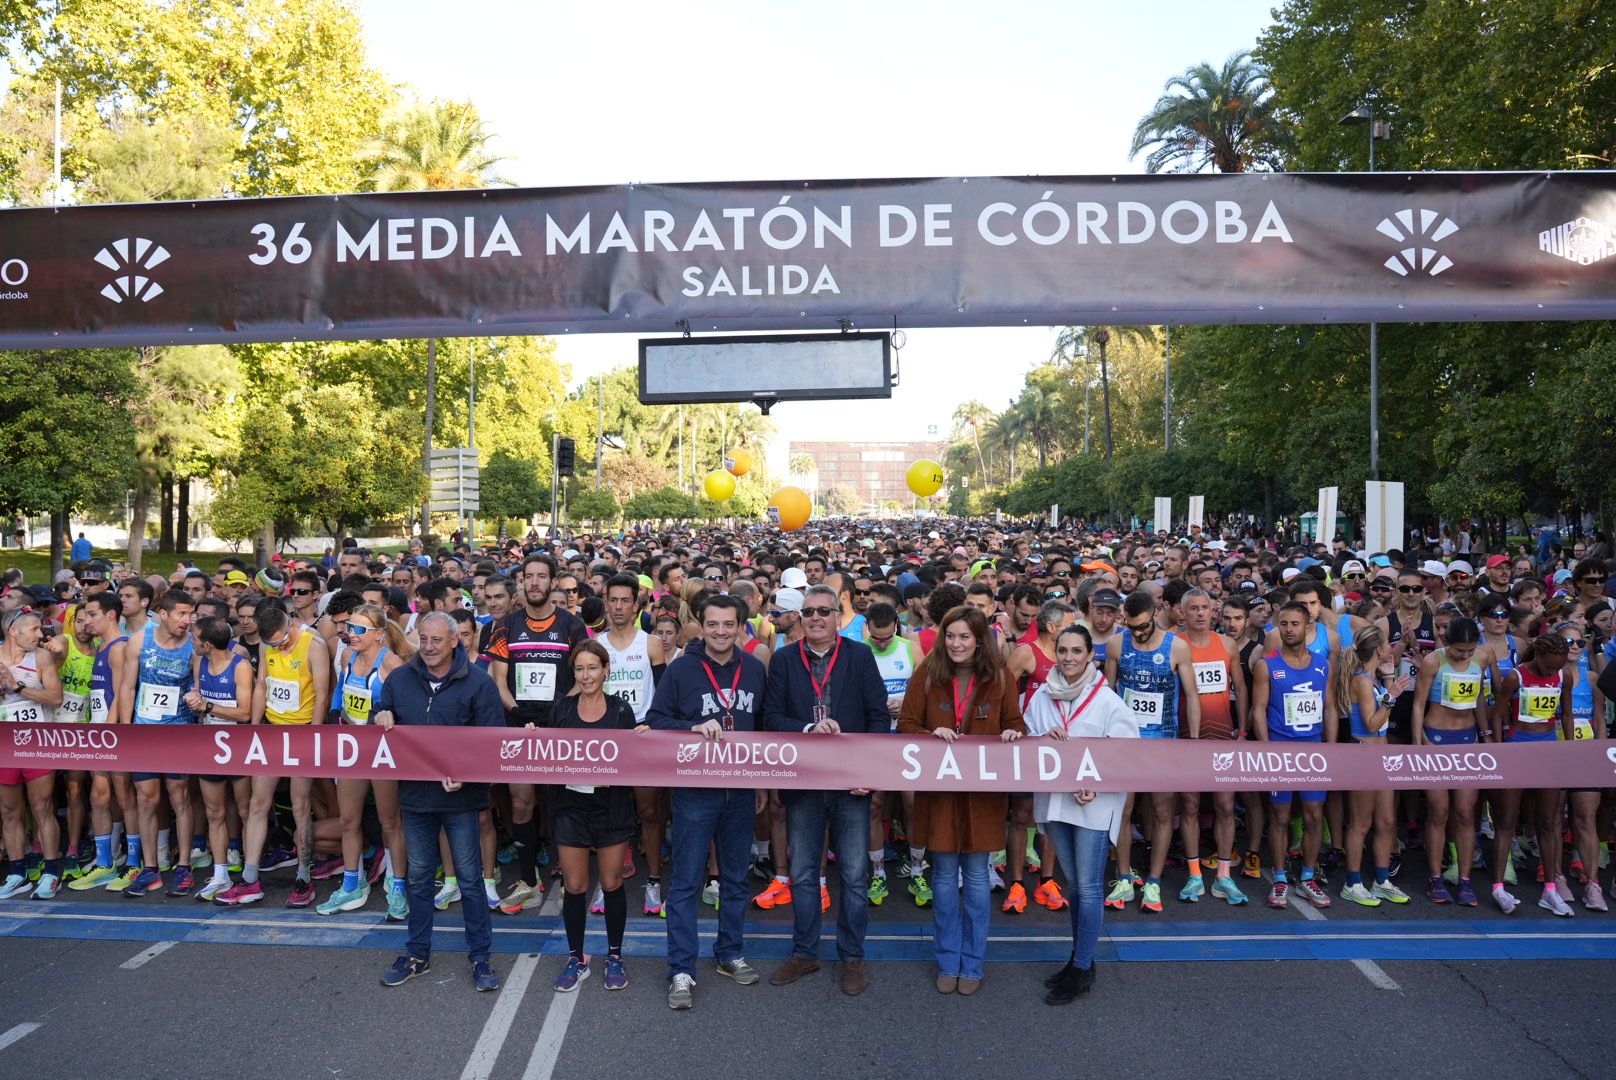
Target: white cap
<point>787,600</point>
<point>1433,568</point>
<point>1216,545</point>
<point>1352,566</point>
<point>1460,566</point>
<point>792,577</point>
<point>1289,573</point>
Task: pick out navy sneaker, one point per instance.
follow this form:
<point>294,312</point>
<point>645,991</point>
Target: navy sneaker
<point>483,977</point>
<point>277,859</point>
<point>404,969</point>
<point>149,880</point>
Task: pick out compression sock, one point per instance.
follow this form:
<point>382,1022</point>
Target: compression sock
<point>199,843</point>
<point>526,835</point>
<point>53,867</point>
<point>1383,874</point>
<point>249,873</point>
<point>103,850</point>
<point>134,851</point>
<point>1281,877</point>
<point>1307,873</point>
<point>350,881</point>
<point>616,919</point>
<point>878,866</point>
<point>1354,877</point>
<point>1195,868</point>
<point>574,910</point>
<point>1223,869</point>
<point>164,836</point>
<point>235,843</point>
<point>398,885</point>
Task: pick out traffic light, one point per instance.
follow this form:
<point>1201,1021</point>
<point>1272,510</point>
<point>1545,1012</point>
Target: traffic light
<point>564,456</point>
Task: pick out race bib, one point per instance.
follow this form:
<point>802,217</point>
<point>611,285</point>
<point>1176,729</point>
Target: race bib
<point>285,695</point>
<point>356,703</point>
<point>1582,728</point>
<point>157,704</point>
<point>1461,691</point>
<point>535,682</point>
<point>1304,709</point>
<point>98,707</point>
<point>22,712</point>
<point>1539,703</point>
<point>74,709</point>
<point>1147,708</point>
<point>582,789</point>
<point>1212,677</point>
<point>629,692</point>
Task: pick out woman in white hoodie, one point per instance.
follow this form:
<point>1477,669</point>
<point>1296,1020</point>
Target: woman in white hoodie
<point>1076,703</point>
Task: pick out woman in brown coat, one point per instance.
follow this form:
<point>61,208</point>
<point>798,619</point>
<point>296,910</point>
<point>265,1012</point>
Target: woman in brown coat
<point>961,689</point>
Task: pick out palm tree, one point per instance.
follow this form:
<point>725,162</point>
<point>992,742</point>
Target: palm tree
<point>971,417</point>
<point>432,146</point>
<point>1222,118</point>
<point>1038,414</point>
<point>1075,343</point>
<point>1004,434</point>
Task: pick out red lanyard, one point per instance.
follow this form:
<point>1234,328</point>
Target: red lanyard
<point>820,686</point>
<point>961,706</point>
<point>1066,720</point>
<point>730,704</point>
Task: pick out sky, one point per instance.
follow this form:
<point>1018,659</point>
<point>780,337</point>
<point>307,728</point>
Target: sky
<point>594,93</point>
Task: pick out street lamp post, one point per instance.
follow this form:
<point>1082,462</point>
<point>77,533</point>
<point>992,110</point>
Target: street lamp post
<point>1378,129</point>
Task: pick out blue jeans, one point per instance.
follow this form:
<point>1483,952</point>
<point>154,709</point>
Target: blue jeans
<point>1082,852</point>
<point>807,814</point>
<point>721,817</point>
<point>421,829</point>
<point>960,932</point>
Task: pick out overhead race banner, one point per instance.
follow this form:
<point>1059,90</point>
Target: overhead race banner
<point>742,759</point>
<point>978,251</point>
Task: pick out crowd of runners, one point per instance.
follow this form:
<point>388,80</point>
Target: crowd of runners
<point>941,627</point>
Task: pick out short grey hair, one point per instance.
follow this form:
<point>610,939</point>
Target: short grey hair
<point>1051,613</point>
<point>438,616</point>
<point>832,596</point>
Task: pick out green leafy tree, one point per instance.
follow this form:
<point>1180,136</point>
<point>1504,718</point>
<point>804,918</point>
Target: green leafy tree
<point>664,504</point>
<point>840,500</point>
<point>131,160</point>
<point>509,487</point>
<point>1220,118</point>
<point>591,505</point>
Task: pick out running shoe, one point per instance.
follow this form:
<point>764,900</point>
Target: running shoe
<point>74,868</point>
<point>506,854</point>
<point>1251,867</point>
<point>681,991</point>
<point>1360,895</point>
<point>327,868</point>
<point>1121,894</point>
<point>878,889</point>
<point>1015,901</point>
<point>491,895</point>
<point>1229,889</point>
<point>576,971</point>
<point>1554,903</point>
<point>212,889</point>
<point>709,893</point>
<point>483,978</point>
<point>404,969</point>
<point>1451,874</point>
<point>447,894</point>
<point>1529,845</point>
<point>616,973</point>
<point>242,893</point>
<point>148,881</point>
<point>1506,903</point>
<point>824,898</point>
<point>628,863</point>
<point>1313,892</point>
<point>124,879</point>
<point>302,894</point>
<point>165,860</point>
<point>277,859</point>
<point>739,970</point>
<point>201,858</point>
<point>94,878</point>
<point>345,900</point>
<point>1050,896</point>
<point>1394,865</point>
<point>1385,890</point>
<point>653,898</point>
<point>1194,888</point>
<point>398,906</point>
<point>234,860</point>
<point>1033,863</point>
<point>1510,877</point>
<point>995,882</point>
<point>182,882</point>
<point>778,894</point>
<point>597,905</point>
<point>1467,894</point>
<point>920,889</point>
<point>997,860</point>
<point>521,898</point>
<point>49,885</point>
<point>1150,898</point>
<point>1592,898</point>
<point>1478,861</point>
<point>1279,895</point>
<point>34,865</point>
<point>907,868</point>
<point>1486,828</point>
<point>1436,891</point>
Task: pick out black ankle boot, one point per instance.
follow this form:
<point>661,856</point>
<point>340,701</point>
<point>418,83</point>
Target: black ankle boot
<point>1077,982</point>
<point>1059,976</point>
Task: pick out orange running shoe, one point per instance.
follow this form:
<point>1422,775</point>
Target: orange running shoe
<point>778,894</point>
<point>1015,901</point>
<point>1049,894</point>
<point>824,898</point>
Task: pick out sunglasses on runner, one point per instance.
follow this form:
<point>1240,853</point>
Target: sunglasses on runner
<point>1353,577</point>
<point>1143,630</point>
<point>299,592</point>
<point>355,630</point>
<point>1055,594</point>
<point>1592,579</point>
<point>1575,642</point>
<point>1411,588</point>
<point>820,612</point>
<point>861,592</point>
<point>1500,613</point>
<point>713,577</point>
<point>1381,586</point>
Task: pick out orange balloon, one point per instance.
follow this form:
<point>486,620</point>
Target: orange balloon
<point>738,462</point>
<point>790,508</point>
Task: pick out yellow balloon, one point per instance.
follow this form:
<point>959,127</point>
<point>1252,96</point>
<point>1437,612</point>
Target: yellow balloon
<point>790,508</point>
<point>925,478</point>
<point>739,462</point>
<point>719,485</point>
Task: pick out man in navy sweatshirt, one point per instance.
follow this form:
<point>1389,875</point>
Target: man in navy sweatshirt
<point>826,684</point>
<point>439,686</point>
<point>712,689</point>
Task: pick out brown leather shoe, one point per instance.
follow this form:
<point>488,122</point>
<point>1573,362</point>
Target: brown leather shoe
<point>947,983</point>
<point>967,987</point>
<point>793,969</point>
<point>853,978</point>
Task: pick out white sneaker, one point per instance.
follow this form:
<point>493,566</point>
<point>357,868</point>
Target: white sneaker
<point>653,898</point>
<point>1554,904</point>
<point>709,895</point>
<point>201,858</point>
<point>15,885</point>
<point>1593,899</point>
<point>995,882</point>
<point>1486,828</point>
<point>1360,895</point>
<point>1506,903</point>
<point>1385,890</point>
<point>492,894</point>
<point>447,894</point>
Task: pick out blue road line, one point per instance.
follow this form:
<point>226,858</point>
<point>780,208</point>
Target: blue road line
<point>1446,939</point>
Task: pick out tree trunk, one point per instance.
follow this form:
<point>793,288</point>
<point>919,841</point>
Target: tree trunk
<point>165,521</point>
<point>1105,390</point>
<point>426,454</point>
<point>58,541</point>
<point>138,513</point>
<point>266,542</point>
<point>1268,502</point>
<point>182,531</point>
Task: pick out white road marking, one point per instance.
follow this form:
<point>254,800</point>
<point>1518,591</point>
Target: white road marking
<point>18,1032</point>
<point>142,958</point>
<point>1367,968</point>
<point>542,1062</point>
<point>485,1052</point>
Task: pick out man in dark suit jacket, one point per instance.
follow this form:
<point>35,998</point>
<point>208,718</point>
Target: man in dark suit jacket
<point>826,684</point>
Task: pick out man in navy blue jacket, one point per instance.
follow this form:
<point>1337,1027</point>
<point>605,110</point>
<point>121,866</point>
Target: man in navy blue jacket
<point>713,688</point>
<point>826,684</point>
<point>439,686</point>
